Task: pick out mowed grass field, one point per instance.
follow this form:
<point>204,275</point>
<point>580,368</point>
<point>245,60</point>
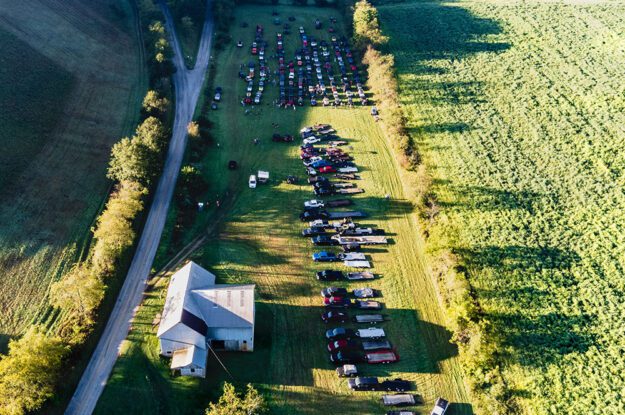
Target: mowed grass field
<point>72,79</point>
<point>258,240</point>
<point>518,112</point>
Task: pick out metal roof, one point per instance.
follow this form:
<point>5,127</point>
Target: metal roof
<point>194,300</point>
<point>190,355</point>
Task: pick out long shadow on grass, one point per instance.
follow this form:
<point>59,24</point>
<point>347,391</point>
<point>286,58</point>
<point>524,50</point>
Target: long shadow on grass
<point>484,199</point>
<point>535,334</point>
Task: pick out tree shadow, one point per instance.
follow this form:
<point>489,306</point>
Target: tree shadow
<point>484,199</point>
<point>507,259</point>
<point>542,340</point>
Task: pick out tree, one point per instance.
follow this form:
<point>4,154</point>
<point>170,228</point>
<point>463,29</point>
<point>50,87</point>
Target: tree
<point>114,232</point>
<point>193,129</point>
<point>153,104</point>
<point>231,403</point>
<point>80,291</point>
<point>367,26</point>
<point>152,134</point>
<point>28,373</point>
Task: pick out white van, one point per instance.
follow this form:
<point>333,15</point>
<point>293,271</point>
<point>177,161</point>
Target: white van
<point>252,182</point>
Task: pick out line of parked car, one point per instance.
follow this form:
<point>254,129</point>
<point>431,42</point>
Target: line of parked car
<point>348,347</point>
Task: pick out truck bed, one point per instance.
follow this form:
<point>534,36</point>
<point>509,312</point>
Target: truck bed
<point>351,190</point>
<point>362,240</point>
<point>348,214</point>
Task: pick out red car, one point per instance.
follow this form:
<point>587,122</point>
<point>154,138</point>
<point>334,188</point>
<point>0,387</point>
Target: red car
<point>339,345</point>
<point>327,169</point>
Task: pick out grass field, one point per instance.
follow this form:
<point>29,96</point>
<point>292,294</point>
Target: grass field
<point>517,108</point>
<point>258,241</point>
<point>73,81</point>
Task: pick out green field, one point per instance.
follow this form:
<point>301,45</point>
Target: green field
<point>257,240</point>
<point>517,108</point>
<point>72,81</point>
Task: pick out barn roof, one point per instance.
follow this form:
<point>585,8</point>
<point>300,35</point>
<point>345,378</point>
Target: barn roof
<point>190,355</point>
<point>179,296</point>
<point>194,300</point>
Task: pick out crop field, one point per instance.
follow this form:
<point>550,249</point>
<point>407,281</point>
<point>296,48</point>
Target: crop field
<point>517,109</point>
<point>70,72</point>
<point>255,237</point>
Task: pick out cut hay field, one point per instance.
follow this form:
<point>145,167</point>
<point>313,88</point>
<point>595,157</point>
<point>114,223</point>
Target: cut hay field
<point>257,239</point>
<point>73,80</point>
<point>517,109</point>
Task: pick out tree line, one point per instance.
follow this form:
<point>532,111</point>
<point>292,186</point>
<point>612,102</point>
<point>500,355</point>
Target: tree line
<point>367,38</point>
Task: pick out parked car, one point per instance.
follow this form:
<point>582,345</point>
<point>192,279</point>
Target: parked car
<point>440,407</point>
<point>347,371</point>
<point>314,203</point>
<point>323,240</point>
<point>252,182</point>
<point>334,291</point>
<point>334,317</point>
<point>401,399</point>
<point>340,333</point>
<point>326,169</point>
<point>313,231</point>
<point>337,302</point>
<point>401,412</point>
<point>368,383</point>
<point>346,357</point>
<point>371,333</point>
<point>218,91</point>
<point>325,256</point>
<point>330,275</point>
<point>343,345</point>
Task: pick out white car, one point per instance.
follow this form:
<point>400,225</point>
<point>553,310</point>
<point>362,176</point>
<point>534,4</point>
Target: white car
<point>314,203</point>
<point>440,407</point>
<point>305,130</point>
<point>312,140</point>
<point>252,182</point>
<point>311,172</point>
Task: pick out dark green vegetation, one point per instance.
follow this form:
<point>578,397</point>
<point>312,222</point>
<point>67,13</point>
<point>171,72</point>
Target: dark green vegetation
<point>74,77</point>
<point>189,19</point>
<point>516,109</point>
<point>31,108</point>
<point>254,237</point>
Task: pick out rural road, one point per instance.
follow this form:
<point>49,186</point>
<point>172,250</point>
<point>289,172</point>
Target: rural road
<point>188,84</point>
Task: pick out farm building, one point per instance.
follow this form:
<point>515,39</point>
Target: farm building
<point>200,314</point>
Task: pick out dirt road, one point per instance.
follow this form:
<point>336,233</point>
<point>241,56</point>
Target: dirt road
<point>188,84</point>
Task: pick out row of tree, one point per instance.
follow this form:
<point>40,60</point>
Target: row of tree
<point>367,38</point>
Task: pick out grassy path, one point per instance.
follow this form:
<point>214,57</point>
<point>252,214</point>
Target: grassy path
<point>259,242</point>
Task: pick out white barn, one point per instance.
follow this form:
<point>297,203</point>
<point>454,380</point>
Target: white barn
<point>200,314</point>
